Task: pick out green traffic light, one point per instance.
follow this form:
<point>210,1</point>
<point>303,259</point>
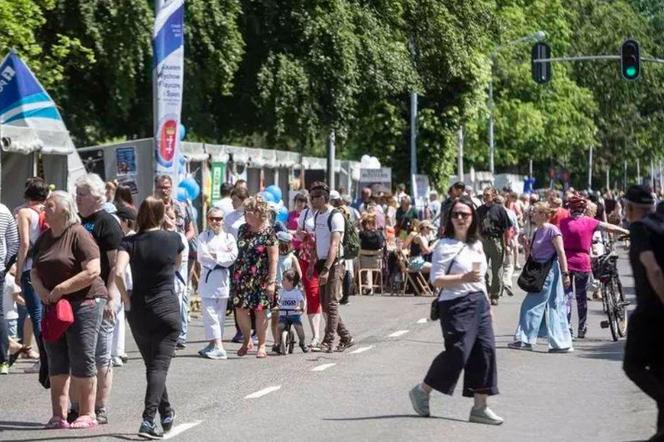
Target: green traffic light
<point>630,72</point>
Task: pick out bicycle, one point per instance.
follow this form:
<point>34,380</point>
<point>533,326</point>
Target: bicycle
<point>287,341</point>
<point>613,296</point>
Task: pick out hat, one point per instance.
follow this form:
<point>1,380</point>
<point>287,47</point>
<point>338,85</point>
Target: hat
<point>284,236</point>
<point>347,199</point>
<point>426,224</point>
<point>577,203</point>
<point>334,195</point>
<point>126,213</point>
<point>638,194</point>
<point>458,185</point>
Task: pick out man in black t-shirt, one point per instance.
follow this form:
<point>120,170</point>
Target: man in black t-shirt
<point>107,233</point>
<point>644,349</point>
<point>494,222</point>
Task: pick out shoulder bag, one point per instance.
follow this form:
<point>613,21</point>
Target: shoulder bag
<point>433,312</point>
<point>534,273</point>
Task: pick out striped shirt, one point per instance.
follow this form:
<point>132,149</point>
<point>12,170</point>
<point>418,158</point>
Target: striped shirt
<point>8,235</point>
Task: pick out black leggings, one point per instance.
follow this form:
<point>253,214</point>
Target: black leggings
<point>156,329</point>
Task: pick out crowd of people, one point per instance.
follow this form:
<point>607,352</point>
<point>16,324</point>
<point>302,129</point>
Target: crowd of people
<point>80,267</point>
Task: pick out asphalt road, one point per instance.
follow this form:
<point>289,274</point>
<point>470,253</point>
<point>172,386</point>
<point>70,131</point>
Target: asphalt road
<point>362,394</point>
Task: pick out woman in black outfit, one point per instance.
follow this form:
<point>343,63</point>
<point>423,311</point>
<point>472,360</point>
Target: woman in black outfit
<point>370,237</point>
<point>153,310</point>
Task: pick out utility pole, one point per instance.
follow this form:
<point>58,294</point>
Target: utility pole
<point>413,134</point>
<point>460,155</point>
<point>625,176</point>
<point>331,147</point>
<point>590,168</point>
<point>638,171</point>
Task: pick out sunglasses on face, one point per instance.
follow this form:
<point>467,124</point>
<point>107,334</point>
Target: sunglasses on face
<point>215,218</point>
<point>462,215</point>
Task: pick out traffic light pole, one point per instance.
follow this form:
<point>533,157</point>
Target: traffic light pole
<point>593,58</point>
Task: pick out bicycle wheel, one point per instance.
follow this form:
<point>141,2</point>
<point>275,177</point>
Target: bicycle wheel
<point>605,302</point>
<point>291,341</point>
<point>621,308</point>
<point>613,307</point>
<point>284,342</point>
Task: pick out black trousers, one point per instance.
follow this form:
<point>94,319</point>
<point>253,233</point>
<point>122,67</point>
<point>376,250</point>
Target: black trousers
<point>644,356</point>
<point>156,328</point>
<point>469,346</point>
<point>4,337</point>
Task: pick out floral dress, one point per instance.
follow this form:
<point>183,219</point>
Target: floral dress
<point>251,269</point>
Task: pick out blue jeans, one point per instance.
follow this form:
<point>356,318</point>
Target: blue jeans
<point>543,314</point>
<point>33,307</point>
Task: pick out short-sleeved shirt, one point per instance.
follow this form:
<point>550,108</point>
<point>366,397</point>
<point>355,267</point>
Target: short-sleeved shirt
<point>560,215</point>
<point>405,218</point>
<point>153,255</point>
<point>542,248</point>
<point>306,220</point>
<point>494,220</point>
<point>577,241</point>
<point>107,233</point>
<point>459,258</point>
<point>290,300</point>
<point>324,230</point>
<point>646,235</point>
<point>8,303</point>
<point>233,221</point>
<point>56,259</point>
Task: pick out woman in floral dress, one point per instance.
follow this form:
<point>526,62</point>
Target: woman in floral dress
<point>254,273</point>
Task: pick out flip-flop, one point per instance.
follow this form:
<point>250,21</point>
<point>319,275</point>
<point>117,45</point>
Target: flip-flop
<point>242,351</point>
<point>83,422</point>
<point>261,354</point>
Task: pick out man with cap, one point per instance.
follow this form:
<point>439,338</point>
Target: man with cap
<point>455,191</point>
<point>644,350</point>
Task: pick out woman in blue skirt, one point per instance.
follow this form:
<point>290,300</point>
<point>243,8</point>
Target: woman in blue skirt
<point>544,314</point>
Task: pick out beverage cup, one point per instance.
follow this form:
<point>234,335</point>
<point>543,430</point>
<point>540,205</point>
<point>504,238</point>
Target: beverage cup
<point>476,266</point>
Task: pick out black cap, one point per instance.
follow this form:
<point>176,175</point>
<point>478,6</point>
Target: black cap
<point>638,194</point>
<point>459,185</point>
<point>126,213</point>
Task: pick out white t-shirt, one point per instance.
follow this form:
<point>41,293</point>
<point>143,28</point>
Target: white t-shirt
<point>306,220</point>
<point>8,303</point>
<point>225,204</point>
<point>233,221</point>
<point>290,300</point>
<point>323,233</point>
<point>445,251</point>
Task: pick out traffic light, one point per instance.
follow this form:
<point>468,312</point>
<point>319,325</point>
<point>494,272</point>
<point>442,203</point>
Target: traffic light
<point>630,60</point>
<point>541,70</point>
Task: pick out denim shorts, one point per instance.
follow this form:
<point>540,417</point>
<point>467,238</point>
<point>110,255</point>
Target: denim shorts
<point>290,319</point>
<point>104,341</point>
<point>74,352</point>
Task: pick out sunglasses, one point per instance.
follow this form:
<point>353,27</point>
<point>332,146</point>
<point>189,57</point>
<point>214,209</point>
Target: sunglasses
<point>215,218</point>
<point>462,215</point>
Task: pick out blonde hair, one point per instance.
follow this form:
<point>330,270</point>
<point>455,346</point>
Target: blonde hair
<point>591,209</point>
<point>544,207</point>
<point>68,203</point>
<point>258,206</point>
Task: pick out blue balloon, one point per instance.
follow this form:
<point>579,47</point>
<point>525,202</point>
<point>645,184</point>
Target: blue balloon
<point>267,196</point>
<point>282,215</point>
<point>181,194</point>
<point>183,132</point>
<point>191,186</point>
<point>274,190</point>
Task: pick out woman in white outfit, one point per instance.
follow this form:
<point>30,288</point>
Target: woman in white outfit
<point>217,252</point>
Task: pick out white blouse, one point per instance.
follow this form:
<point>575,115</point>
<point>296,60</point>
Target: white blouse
<point>449,249</point>
<point>215,281</point>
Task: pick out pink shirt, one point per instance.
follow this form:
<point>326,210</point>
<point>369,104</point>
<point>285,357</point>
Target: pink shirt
<point>577,241</point>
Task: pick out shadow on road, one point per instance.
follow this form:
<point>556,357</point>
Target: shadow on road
<point>67,434</point>
<point>612,351</point>
<point>391,416</point>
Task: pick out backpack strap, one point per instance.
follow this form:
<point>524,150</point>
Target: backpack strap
<point>329,219</point>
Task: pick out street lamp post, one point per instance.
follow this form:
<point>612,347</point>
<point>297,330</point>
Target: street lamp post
<point>537,36</point>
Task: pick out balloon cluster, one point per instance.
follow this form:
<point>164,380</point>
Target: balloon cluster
<point>188,189</point>
<point>272,194</point>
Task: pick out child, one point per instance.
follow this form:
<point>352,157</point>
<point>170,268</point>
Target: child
<point>291,306</point>
<point>11,296</point>
<point>287,261</point>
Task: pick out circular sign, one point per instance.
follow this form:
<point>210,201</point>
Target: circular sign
<point>168,140</point>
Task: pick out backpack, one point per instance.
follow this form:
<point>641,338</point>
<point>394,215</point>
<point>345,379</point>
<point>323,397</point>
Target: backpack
<point>350,241</point>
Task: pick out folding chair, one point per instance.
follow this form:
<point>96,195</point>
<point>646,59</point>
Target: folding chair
<point>416,279</point>
<point>370,269</point>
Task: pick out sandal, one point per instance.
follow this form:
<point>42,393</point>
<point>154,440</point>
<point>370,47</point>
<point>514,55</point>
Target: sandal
<point>23,350</point>
<point>242,351</point>
<point>56,423</point>
<point>261,354</point>
<point>84,421</point>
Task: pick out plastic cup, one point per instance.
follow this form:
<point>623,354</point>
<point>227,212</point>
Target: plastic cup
<point>476,266</point>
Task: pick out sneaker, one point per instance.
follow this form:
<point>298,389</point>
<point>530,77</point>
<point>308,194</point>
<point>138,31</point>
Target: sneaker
<point>117,361</point>
<point>561,350</point>
<point>180,345</point>
<point>203,351</point>
<point>314,343</point>
<point>508,291</point>
<point>34,368</point>
<point>420,401</point>
<point>237,339</point>
<point>582,333</point>
<point>484,416</point>
<point>254,339</point>
<point>343,345</point>
<point>494,301</point>
<point>102,417</point>
<point>149,430</point>
<point>4,368</point>
<point>304,348</point>
<point>167,422</point>
<point>322,348</point>
<point>518,345</point>
<point>124,358</point>
<point>216,353</point>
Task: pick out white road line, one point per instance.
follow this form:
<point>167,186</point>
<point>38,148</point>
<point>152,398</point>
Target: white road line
<point>398,333</point>
<point>323,367</point>
<point>179,429</point>
<point>422,321</point>
<point>361,350</point>
<point>263,392</point>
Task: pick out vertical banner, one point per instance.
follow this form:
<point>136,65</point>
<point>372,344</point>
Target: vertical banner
<point>218,177</point>
<point>168,74</point>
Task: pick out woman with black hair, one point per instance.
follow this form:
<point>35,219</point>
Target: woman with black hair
<point>458,269</point>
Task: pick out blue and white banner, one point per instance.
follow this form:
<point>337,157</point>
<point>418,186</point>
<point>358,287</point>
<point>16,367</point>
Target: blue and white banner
<point>28,115</point>
<point>168,75</point>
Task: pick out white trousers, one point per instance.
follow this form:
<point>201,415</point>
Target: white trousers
<point>118,347</point>
<point>214,315</point>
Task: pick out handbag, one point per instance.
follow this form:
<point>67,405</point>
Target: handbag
<point>433,312</point>
<point>56,320</point>
<point>534,273</point>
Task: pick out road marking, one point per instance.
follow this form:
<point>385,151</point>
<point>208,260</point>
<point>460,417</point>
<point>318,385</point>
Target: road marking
<point>398,333</point>
<point>263,392</point>
<point>422,321</point>
<point>323,367</point>
<point>178,429</point>
<point>361,350</point>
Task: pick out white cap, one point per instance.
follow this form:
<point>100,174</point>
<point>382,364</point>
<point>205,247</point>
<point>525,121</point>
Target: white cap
<point>334,195</point>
